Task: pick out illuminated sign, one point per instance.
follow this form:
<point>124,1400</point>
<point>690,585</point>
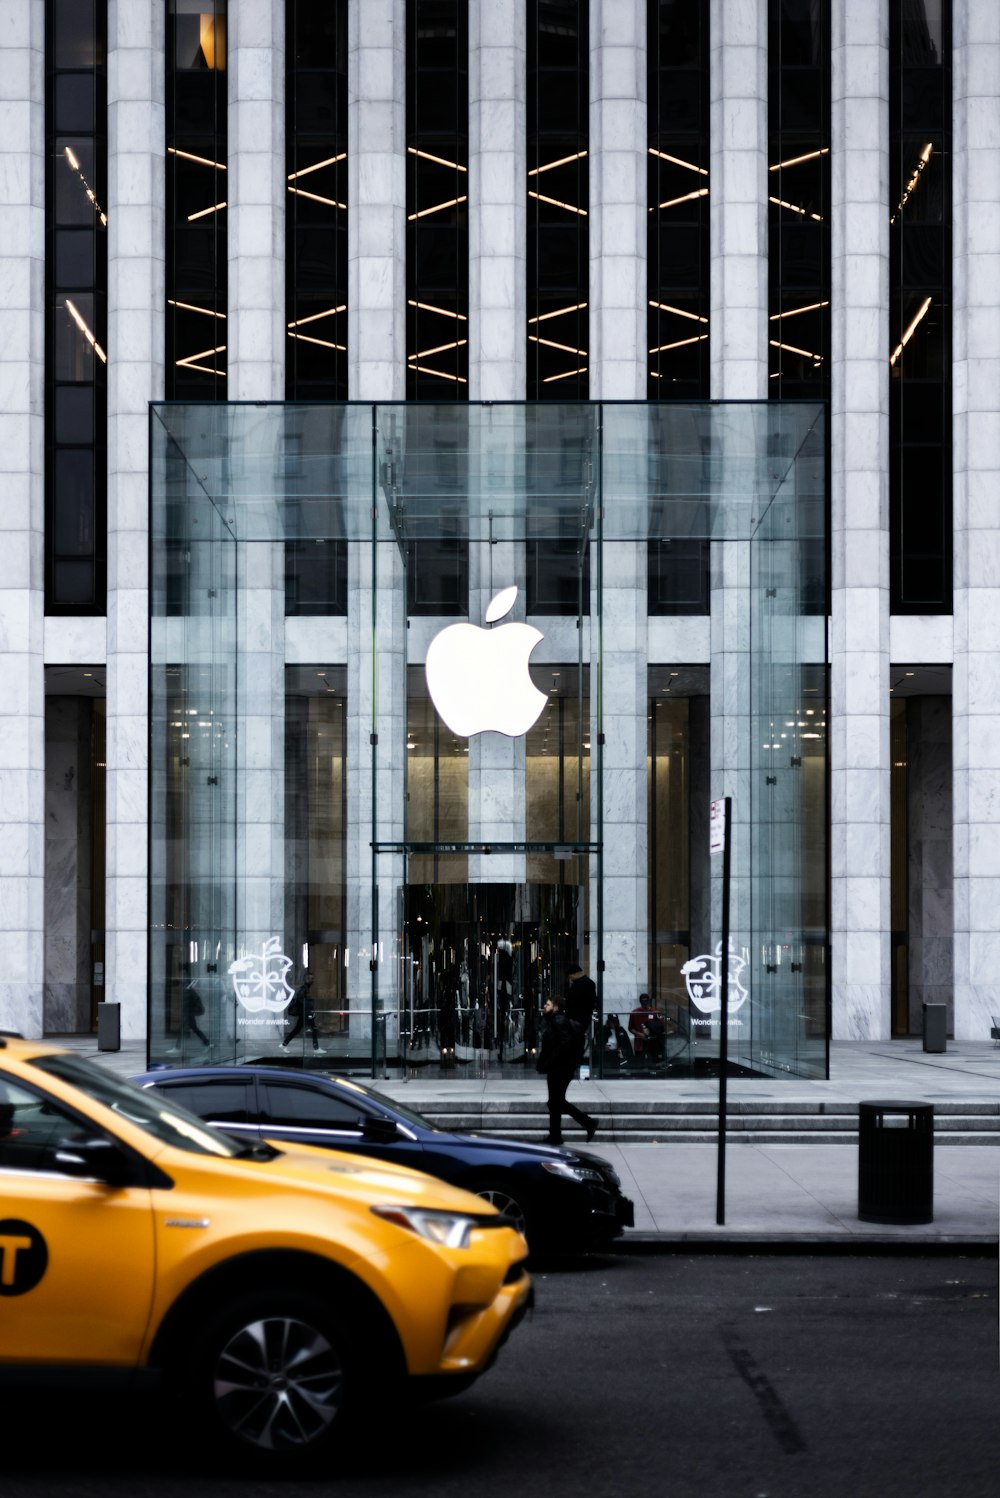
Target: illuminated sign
<point>478,678</point>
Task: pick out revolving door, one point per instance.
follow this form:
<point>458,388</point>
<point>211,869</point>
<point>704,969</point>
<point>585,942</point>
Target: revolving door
<point>478,963</point>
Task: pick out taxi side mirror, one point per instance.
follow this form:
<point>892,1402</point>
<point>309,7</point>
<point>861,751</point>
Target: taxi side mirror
<point>97,1159</point>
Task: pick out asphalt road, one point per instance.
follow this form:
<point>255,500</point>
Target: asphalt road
<point>686,1377</point>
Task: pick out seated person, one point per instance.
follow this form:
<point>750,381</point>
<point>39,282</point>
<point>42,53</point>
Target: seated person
<point>638,1023</point>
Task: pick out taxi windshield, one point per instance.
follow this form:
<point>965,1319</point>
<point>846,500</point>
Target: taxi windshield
<point>165,1121</point>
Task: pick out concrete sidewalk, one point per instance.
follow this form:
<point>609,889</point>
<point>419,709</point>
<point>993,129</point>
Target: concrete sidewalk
<point>802,1193</point>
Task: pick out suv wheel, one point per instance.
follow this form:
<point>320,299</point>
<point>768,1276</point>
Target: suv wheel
<point>275,1372</point>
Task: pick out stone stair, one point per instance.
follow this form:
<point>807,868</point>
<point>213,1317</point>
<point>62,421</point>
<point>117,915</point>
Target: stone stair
<point>638,1121</point>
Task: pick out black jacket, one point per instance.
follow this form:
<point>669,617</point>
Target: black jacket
<point>562,1044</point>
<point>581,1001</point>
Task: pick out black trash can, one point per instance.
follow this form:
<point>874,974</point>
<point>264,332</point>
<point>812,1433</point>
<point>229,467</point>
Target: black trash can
<point>896,1162</point>
<point>109,1027</point>
<point>935,1028</point>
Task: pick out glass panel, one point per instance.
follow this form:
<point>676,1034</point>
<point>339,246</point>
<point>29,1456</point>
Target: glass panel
<point>437,877</point>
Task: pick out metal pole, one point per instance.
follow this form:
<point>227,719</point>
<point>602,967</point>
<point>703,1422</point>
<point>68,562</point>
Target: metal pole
<point>720,1198</point>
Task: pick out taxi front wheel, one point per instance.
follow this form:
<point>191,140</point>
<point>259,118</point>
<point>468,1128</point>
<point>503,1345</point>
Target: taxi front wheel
<point>273,1374</point>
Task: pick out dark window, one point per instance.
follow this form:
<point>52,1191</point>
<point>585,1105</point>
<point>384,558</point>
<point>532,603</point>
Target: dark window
<point>316,210</point>
<point>920,481</point>
<point>197,151</point>
<point>678,162</point>
<point>294,1106</point>
<point>221,1101</point>
<point>316,261</point>
<point>76,309</point>
<point>798,185</point>
<point>558,250</point>
<point>437,189</point>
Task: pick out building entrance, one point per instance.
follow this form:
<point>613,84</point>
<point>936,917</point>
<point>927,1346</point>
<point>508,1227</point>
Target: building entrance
<point>478,962</point>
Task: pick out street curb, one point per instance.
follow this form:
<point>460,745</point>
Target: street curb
<point>883,1245</point>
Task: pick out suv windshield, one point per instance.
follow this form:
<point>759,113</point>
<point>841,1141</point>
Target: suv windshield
<point>147,1110</point>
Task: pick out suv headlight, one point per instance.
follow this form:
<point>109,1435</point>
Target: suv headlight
<point>571,1172</point>
<point>448,1229</point>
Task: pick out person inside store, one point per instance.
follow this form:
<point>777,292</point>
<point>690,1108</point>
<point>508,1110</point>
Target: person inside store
<point>617,1045</point>
<point>647,1030</point>
<point>302,1009</point>
<point>581,1002</point>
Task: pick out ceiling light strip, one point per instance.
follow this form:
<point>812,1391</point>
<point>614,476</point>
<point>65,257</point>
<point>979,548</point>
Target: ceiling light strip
<point>558,203</point>
<point>678,311</point>
<point>924,158</point>
<point>300,322</point>
<point>699,192</point>
<point>791,349</point>
<point>425,353</point>
<point>794,208</point>
<point>441,311</point>
<point>909,332</point>
<point>440,160</point>
<point>566,348</point>
<point>190,307</point>
<point>423,369</point>
<point>561,312</point>
<point>220,166</point>
<point>678,161</point>
<point>438,208</point>
<point>319,165</point>
<point>550,166</point>
<point>315,197</point>
<point>796,160</point>
<point>550,379</point>
<point>321,342</point>
<point>680,343</point>
<point>204,212</point>
<point>795,311</point>
<point>84,329</point>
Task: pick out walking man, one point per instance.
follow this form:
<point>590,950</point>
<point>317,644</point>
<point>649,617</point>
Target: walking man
<point>558,1059</point>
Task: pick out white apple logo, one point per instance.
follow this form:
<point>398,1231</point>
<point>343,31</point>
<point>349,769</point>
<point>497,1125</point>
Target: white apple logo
<point>478,678</point>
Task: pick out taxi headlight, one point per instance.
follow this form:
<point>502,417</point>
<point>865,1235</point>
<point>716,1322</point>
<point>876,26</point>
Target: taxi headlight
<point>571,1172</point>
<point>448,1229</point>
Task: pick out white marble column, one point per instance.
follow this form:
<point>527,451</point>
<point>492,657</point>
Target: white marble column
<point>976,415</point>
<point>497,201</point>
<point>22,404</point>
<point>376,372</point>
<point>497,790</point>
<point>136,189</point>
<point>738,345</point>
<point>859,416</point>
<point>256,194</point>
<point>618,364</point>
<point>256,338</point>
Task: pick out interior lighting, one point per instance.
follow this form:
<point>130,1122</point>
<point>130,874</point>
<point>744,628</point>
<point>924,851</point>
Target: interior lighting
<point>699,192</point>
<point>677,161</point>
<point>204,212</point>
<point>549,166</point>
<point>441,161</point>
<point>81,324</point>
<point>906,336</point>
<point>549,343</point>
<point>442,311</point>
<point>425,353</point>
<point>190,307</point>
<point>220,166</point>
<point>794,311</point>
<point>322,342</point>
<point>74,163</point>
<point>423,369</point>
<point>317,166</point>
<point>550,379</point>
<point>677,311</point>
<point>560,312</point>
<point>300,322</point>
<point>679,343</point>
<point>558,203</point>
<point>795,208</point>
<point>796,160</point>
<point>922,161</point>
<point>316,197</point>
<point>189,363</point>
<point>438,208</point>
<point>792,349</point>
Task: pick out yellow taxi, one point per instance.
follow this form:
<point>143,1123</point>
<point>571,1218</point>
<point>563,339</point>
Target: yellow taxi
<point>271,1291</point>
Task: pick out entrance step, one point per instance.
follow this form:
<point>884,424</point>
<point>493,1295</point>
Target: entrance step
<point>686,1122</point>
